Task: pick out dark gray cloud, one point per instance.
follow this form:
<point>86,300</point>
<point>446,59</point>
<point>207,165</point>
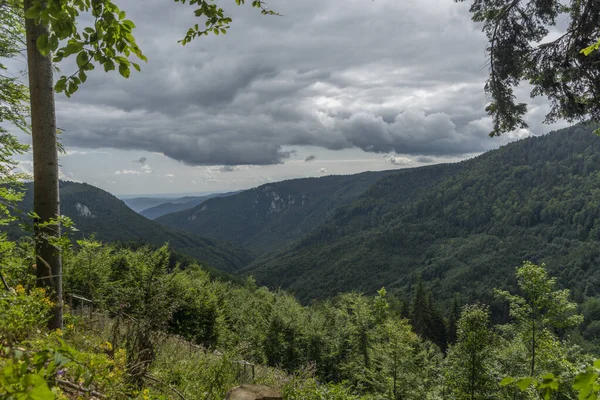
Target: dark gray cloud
<point>385,76</point>
<point>141,160</point>
<point>424,159</point>
<point>310,158</point>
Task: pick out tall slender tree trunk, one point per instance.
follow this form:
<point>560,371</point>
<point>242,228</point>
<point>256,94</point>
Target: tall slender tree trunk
<point>45,168</point>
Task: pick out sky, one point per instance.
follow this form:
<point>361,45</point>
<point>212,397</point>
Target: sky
<point>329,87</point>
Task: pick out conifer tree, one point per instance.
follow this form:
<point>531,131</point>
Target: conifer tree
<point>425,319</point>
<point>453,320</point>
<point>419,313</point>
<point>522,45</point>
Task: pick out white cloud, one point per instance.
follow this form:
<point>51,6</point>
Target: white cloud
<point>127,172</point>
<point>399,160</point>
<point>228,168</point>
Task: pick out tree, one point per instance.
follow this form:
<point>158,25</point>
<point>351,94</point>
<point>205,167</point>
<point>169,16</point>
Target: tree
<point>13,113</point>
<point>13,110</point>
<point>468,374</point>
<point>396,347</point>
<point>53,34</point>
<point>425,319</point>
<point>540,309</point>
<point>566,70</point>
<point>453,319</point>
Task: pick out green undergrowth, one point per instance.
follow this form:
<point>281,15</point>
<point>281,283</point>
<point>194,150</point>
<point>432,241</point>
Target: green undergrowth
<point>137,327</point>
<point>152,332</point>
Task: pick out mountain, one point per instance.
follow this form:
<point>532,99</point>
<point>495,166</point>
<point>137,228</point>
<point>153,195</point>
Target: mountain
<point>270,216</point>
<point>181,204</point>
<point>139,204</point>
<point>463,227</point>
<point>95,211</point>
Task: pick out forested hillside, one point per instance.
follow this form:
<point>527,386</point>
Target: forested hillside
<point>181,204</point>
<point>270,216</point>
<point>95,211</point>
<point>462,227</point>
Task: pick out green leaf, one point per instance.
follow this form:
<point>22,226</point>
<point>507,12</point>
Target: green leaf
<point>109,65</point>
<point>82,58</point>
<point>597,362</point>
<point>60,85</point>
<point>39,388</point>
<point>524,383</point>
<point>32,12</point>
<point>124,70</point>
<point>73,47</point>
<point>122,60</point>
<point>584,379</point>
<point>53,42</point>
<point>136,66</point>
<point>42,44</point>
<point>507,381</point>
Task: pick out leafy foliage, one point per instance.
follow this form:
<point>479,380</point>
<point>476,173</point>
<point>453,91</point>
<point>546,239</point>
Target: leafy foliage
<point>108,41</point>
<point>558,69</point>
<point>467,372</point>
<point>13,111</point>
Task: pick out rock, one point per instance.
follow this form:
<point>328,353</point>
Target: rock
<point>253,392</point>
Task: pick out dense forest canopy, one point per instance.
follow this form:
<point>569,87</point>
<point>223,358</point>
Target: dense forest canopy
<point>459,226</point>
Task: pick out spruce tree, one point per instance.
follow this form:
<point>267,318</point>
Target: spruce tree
<point>453,320</point>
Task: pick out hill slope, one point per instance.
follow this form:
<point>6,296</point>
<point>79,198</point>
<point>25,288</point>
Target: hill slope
<point>95,211</point>
<point>181,204</point>
<point>270,216</point>
<point>463,227</point>
<point>139,204</point>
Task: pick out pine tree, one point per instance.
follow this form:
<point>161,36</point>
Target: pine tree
<point>453,320</point>
<point>426,320</point>
<point>419,313</point>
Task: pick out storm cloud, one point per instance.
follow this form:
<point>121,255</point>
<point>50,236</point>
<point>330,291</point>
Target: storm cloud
<point>390,76</point>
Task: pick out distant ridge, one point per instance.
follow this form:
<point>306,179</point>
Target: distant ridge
<point>94,210</point>
<point>180,204</point>
<point>270,216</point>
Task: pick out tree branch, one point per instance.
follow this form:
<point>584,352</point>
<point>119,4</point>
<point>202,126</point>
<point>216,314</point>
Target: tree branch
<point>8,288</point>
<point>73,386</point>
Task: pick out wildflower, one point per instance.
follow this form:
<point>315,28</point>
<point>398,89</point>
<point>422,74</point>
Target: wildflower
<point>106,346</point>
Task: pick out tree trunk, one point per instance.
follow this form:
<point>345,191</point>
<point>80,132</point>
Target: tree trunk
<point>45,168</point>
